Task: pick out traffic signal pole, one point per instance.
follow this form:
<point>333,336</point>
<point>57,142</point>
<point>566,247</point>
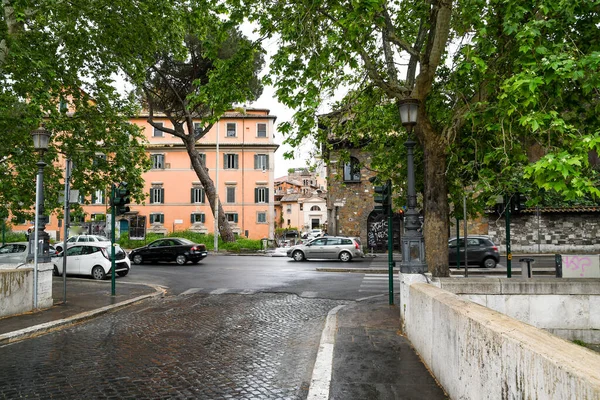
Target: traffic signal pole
<point>390,243</point>
<point>112,240</point>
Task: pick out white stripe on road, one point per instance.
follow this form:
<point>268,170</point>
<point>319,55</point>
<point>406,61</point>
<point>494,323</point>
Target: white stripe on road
<point>191,291</point>
<point>309,294</point>
<point>219,291</point>
<point>247,291</point>
<point>321,376</point>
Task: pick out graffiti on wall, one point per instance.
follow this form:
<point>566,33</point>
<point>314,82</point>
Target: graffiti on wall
<point>581,266</point>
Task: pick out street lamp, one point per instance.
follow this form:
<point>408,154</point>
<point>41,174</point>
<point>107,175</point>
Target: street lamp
<point>41,138</point>
<point>413,247</point>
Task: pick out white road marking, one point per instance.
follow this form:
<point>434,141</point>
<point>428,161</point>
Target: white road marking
<point>191,291</point>
<point>309,294</point>
<point>219,291</point>
<point>321,376</point>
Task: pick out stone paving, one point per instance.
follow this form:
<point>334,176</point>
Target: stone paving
<point>197,346</point>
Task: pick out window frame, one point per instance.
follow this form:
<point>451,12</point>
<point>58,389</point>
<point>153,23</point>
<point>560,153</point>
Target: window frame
<point>351,170</point>
<point>197,195</point>
<point>230,161</point>
<point>258,130</point>
<point>229,131</point>
<point>157,195</point>
<point>156,158</point>
<point>156,130</point>
<point>152,218</point>
<point>260,214</point>
<point>261,195</point>
<point>198,217</point>
<point>231,217</point>
<point>261,161</point>
<point>230,194</point>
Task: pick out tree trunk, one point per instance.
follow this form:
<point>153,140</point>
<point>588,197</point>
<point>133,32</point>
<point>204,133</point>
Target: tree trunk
<point>209,188</point>
<point>435,199</point>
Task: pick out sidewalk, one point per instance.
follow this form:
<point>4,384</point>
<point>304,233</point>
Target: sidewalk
<point>371,359</point>
<point>85,299</point>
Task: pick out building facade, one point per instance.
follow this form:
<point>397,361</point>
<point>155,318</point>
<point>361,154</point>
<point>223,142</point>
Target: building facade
<point>238,153</point>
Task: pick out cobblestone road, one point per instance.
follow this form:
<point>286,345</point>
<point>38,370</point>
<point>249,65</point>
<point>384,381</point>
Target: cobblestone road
<point>258,346</point>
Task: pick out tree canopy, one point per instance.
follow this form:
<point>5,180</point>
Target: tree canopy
<point>60,65</point>
<point>501,83</point>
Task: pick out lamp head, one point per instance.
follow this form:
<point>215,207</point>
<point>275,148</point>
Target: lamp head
<point>409,109</point>
<point>41,139</point>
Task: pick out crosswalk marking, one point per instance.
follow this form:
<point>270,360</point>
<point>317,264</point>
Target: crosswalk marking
<point>377,283</point>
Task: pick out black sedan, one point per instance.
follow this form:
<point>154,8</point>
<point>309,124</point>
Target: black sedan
<point>169,249</point>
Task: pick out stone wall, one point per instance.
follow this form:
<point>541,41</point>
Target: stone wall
<point>349,203</point>
<point>16,289</point>
<point>478,353</point>
<point>548,232</point>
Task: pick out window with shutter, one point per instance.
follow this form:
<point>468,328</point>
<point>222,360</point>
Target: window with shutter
<point>261,130</point>
<point>157,218</point>
<point>261,161</point>
<point>231,195</point>
<point>230,161</point>
<point>261,217</point>
<point>158,161</point>
<point>157,195</point>
<point>261,195</point>
<point>198,195</point>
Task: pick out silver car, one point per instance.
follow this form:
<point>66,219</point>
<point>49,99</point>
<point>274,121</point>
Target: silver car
<point>328,247</point>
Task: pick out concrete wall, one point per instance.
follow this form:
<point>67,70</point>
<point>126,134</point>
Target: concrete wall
<point>16,289</point>
<point>569,308</point>
<point>478,353</point>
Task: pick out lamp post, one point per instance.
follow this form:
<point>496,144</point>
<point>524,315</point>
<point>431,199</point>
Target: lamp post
<point>413,247</point>
<point>41,139</point>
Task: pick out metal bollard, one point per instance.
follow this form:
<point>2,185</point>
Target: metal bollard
<point>526,267</point>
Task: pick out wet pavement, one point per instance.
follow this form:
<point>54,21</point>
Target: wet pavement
<point>206,346</point>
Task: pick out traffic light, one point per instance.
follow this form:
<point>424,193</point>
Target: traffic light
<point>383,196</point>
<point>122,197</point>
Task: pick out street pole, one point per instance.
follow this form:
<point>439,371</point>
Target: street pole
<point>66,227</point>
<point>112,240</point>
<point>508,251</point>
<point>216,238</point>
<point>465,220</point>
<point>36,234</point>
<point>457,243</point>
<point>390,244</point>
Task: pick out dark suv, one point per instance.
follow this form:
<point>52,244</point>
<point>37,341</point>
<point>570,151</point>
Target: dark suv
<point>480,250</point>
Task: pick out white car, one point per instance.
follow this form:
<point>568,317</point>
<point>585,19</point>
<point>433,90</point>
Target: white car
<point>80,239</point>
<point>92,259</point>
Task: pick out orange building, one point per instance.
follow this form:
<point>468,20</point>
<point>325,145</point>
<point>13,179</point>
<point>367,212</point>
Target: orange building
<point>238,152</point>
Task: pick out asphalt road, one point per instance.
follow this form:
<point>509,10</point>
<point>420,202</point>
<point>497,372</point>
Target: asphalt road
<point>219,274</point>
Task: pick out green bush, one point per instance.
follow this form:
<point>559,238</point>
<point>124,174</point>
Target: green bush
<point>241,244</point>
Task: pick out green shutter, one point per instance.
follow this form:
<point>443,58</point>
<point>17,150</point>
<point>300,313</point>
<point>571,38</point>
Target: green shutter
<point>192,196</point>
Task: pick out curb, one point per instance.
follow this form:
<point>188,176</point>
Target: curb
<point>357,270</point>
<point>47,327</point>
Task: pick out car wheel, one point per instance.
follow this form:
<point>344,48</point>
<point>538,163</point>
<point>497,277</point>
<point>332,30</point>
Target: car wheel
<point>345,256</point>
<point>123,273</point>
<point>55,271</point>
<point>298,256</point>
<point>98,273</point>
<point>489,262</point>
<point>181,259</point>
<point>137,259</point>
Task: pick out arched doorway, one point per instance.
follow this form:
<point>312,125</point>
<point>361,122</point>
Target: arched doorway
<point>377,231</point>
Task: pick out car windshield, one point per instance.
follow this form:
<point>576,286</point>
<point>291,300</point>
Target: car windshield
<point>185,241</point>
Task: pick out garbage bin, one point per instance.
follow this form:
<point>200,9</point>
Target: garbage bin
<point>526,267</point>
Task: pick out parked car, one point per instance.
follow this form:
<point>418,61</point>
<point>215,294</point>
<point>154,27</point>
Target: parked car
<point>480,250</point>
<point>14,253</point>
<point>314,233</point>
<point>328,247</point>
<point>170,249</point>
<point>92,259</point>
<point>80,239</point>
